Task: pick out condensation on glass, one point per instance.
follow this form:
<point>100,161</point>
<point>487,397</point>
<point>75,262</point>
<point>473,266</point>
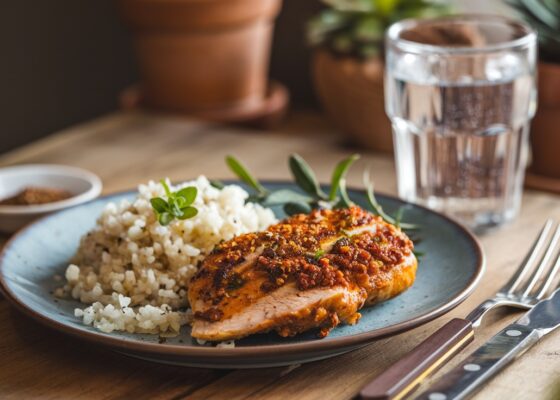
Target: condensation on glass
<point>460,93</point>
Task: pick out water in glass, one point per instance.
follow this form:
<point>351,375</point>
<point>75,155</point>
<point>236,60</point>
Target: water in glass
<point>460,128</point>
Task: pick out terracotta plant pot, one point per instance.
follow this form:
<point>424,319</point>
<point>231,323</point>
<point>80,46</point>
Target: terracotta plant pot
<point>351,92</point>
<point>202,55</point>
<point>545,129</point>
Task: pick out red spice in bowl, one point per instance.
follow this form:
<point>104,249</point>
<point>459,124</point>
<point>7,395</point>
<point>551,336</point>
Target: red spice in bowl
<point>36,195</point>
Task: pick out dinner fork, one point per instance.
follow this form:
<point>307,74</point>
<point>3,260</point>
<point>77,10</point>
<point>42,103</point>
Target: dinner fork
<point>522,291</point>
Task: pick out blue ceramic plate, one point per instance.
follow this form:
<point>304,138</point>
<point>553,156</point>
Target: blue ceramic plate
<point>448,272</point>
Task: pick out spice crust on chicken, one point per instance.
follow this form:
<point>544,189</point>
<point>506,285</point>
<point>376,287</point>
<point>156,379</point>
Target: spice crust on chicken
<point>310,271</point>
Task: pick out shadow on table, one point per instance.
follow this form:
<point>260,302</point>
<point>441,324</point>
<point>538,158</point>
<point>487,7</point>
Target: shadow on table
<point>44,363</point>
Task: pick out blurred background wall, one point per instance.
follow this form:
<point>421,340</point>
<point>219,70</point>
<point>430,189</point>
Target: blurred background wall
<point>65,61</point>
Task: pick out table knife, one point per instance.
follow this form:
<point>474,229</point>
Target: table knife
<point>464,380</point>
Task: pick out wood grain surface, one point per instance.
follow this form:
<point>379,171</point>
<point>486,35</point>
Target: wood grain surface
<point>127,149</point>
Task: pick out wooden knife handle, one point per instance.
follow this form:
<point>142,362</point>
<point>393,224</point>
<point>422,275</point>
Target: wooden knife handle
<point>482,365</point>
<point>405,375</point>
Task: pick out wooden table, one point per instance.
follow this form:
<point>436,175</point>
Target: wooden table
<point>127,149</point>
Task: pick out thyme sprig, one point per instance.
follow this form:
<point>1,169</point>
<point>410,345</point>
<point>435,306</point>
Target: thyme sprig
<point>177,206</point>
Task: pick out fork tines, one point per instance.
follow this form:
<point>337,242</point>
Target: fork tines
<point>538,271</point>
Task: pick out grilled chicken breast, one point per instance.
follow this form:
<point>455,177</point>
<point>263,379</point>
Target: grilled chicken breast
<point>308,271</point>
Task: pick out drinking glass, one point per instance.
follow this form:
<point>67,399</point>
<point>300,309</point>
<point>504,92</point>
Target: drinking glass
<point>460,93</point>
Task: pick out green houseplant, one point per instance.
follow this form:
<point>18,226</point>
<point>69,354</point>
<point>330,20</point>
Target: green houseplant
<point>347,66</point>
<point>544,16</point>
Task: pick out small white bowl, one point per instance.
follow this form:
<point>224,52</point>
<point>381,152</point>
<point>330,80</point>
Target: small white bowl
<point>84,186</point>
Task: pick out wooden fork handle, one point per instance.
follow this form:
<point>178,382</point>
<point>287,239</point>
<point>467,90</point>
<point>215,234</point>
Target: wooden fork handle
<point>405,375</point>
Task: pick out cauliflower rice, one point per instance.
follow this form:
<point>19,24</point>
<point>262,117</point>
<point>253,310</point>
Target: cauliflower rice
<point>135,272</point>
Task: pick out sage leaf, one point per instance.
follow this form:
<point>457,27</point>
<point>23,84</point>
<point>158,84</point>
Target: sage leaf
<point>217,184</point>
<point>283,196</point>
<point>345,201</point>
<point>399,216</point>
<point>256,198</point>
<point>297,208</point>
<point>418,254</point>
<point>304,177</point>
<point>339,173</point>
<point>376,207</point>
<point>242,173</point>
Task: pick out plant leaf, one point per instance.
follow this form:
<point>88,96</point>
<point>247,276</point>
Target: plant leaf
<point>344,198</point>
<point>217,184</point>
<point>369,30</point>
<point>372,201</point>
<point>304,177</point>
<point>376,207</point>
<point>158,204</point>
<point>174,208</point>
<point>177,204</point>
<point>166,188</point>
<point>297,208</point>
<point>418,254</point>
<point>319,253</point>
<point>165,218</point>
<point>542,13</point>
<point>188,212</point>
<point>283,196</point>
<point>339,173</point>
<point>351,5</point>
<point>399,216</point>
<point>325,23</point>
<point>188,194</point>
<point>180,201</point>
<point>256,198</point>
<point>242,173</point>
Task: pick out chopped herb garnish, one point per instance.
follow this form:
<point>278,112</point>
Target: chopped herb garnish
<point>319,253</point>
<point>177,206</point>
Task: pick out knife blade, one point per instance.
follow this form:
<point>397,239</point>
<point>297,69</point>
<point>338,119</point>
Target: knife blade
<point>510,343</point>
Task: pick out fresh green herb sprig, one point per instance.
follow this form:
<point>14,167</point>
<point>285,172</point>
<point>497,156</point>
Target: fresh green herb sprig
<point>243,173</point>
<point>294,202</point>
<point>313,196</point>
<point>177,206</point>
<point>377,209</point>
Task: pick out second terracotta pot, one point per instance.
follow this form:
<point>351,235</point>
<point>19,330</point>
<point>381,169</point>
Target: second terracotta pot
<point>545,128</point>
<point>351,92</point>
<point>200,55</point>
